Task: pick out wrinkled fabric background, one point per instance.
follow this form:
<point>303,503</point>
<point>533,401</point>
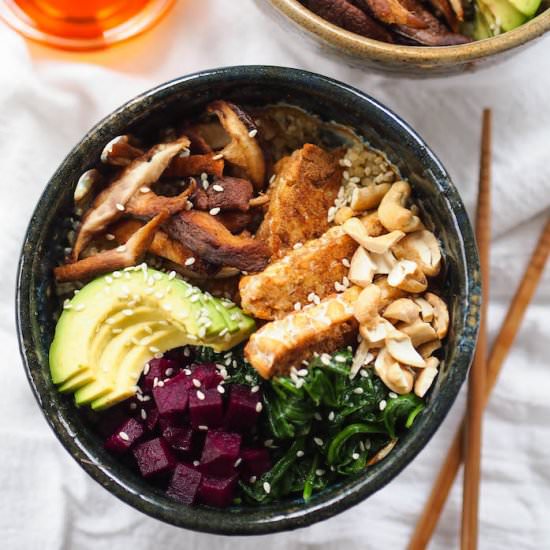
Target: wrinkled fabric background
<point>48,99</point>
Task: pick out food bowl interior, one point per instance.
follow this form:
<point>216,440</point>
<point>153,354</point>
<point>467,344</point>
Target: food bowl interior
<point>165,106</point>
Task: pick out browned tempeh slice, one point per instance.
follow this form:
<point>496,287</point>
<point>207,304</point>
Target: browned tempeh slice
<point>312,269</point>
<point>195,165</point>
<point>322,328</point>
<point>110,204</point>
<point>226,193</point>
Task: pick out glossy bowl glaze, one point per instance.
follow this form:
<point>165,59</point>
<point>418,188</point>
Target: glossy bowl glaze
<point>413,61</point>
<point>331,100</point>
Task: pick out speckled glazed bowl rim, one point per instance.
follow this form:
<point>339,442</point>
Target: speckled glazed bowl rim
<point>369,48</point>
<point>288,514</point>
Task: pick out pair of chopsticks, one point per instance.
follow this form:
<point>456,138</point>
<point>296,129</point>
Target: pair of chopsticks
<point>483,375</point>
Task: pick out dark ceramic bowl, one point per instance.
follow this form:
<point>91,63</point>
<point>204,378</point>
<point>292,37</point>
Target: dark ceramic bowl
<point>331,100</point>
<point>395,59</point>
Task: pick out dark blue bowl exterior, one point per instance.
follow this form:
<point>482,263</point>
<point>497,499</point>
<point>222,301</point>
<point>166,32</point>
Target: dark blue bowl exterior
<point>171,102</point>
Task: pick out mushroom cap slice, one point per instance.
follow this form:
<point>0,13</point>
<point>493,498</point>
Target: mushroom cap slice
<point>419,332</point>
<point>362,268</point>
<point>441,314</point>
<point>400,347</point>
<point>382,453</point>
<point>403,309</point>
<point>85,184</point>
<point>420,247</point>
<point>395,377</point>
<point>243,151</point>
<point>392,211</point>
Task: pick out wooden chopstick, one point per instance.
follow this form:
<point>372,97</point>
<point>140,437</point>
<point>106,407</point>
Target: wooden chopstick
<point>476,385</point>
<point>504,341</point>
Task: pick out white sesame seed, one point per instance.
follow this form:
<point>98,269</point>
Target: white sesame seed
<point>259,407</point>
<point>300,454</point>
<point>331,415</point>
<point>203,428</point>
<point>237,462</point>
<point>128,312</point>
<point>116,331</point>
<point>220,389</point>
<point>318,441</point>
<point>253,133</point>
<point>382,404</point>
<point>144,189</point>
<point>223,331</point>
<point>320,472</point>
<point>297,246</point>
<point>201,395</point>
<point>254,389</point>
<point>120,207</point>
<point>124,436</point>
<point>267,487</point>
<point>355,456</point>
<point>117,274</point>
<point>252,479</point>
<point>196,463</point>
<point>196,383</point>
<point>325,359</point>
<point>358,391</point>
<point>215,211</point>
<point>121,248</point>
<point>143,414</point>
<point>318,416</point>
<point>268,442</point>
<point>189,261</point>
<point>297,306</point>
<point>346,262</point>
<point>218,188</point>
<point>218,156</point>
<point>392,395</point>
<point>146,369</point>
<point>169,371</point>
<point>110,237</point>
<point>154,349</point>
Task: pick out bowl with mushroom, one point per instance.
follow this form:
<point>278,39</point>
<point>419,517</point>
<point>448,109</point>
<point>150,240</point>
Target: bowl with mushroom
<point>247,299</point>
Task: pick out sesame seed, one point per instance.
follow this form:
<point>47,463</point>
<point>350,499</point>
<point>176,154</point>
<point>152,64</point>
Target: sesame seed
<point>109,280</point>
<point>224,331</point>
<point>121,248</point>
<point>267,487</point>
<point>203,428</point>
<point>143,414</point>
<point>171,275</point>
<point>194,298</point>
<point>144,189</point>
<point>268,442</point>
<point>253,133</point>
<point>128,312</point>
<point>189,261</point>
<point>297,246</point>
<point>318,441</point>
<point>196,463</point>
<point>154,349</point>
<point>169,371</point>
<point>392,395</point>
<point>254,389</point>
<point>187,371</point>
<point>346,262</point>
<point>358,391</point>
<point>318,416</point>
<point>146,369</point>
<point>117,274</point>
<point>382,404</point>
<point>196,383</point>
<point>120,207</point>
<point>339,358</point>
<point>110,237</point>
<point>300,454</point>
<point>355,456</point>
<point>215,211</point>
<point>220,389</point>
<point>218,156</point>
<point>124,436</point>
<point>297,306</point>
<point>116,331</point>
<point>237,462</point>
<point>320,472</point>
<point>252,479</point>
<point>325,359</point>
<point>331,415</point>
<point>259,407</point>
<point>201,396</point>
<point>217,187</point>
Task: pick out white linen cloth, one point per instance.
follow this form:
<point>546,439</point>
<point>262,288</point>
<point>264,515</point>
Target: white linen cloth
<point>48,99</point>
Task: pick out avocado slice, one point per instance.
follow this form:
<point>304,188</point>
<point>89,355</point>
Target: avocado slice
<point>506,15</point>
<point>118,322</point>
<point>527,7</point>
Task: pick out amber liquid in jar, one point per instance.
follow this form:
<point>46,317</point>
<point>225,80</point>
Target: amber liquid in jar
<point>76,24</point>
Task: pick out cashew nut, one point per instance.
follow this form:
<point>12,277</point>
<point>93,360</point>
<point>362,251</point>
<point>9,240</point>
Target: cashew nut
<point>407,276</point>
<point>379,245</point>
<point>419,332</point>
<point>400,347</point>
<point>428,348</point>
<point>343,214</point>
<point>365,198</point>
<point>376,334</point>
<point>441,314</point>
<point>392,211</point>
<point>362,268</point>
<point>426,377</point>
<point>367,306</point>
<point>426,310</point>
<point>372,223</point>
<point>397,378</point>
<point>403,309</point>
<point>420,247</point>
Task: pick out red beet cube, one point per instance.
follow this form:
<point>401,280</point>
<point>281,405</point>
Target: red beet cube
<point>128,433</point>
<point>220,452</point>
<point>205,408</point>
<point>159,369</point>
<point>154,457</point>
<point>184,484</point>
<point>217,492</point>
<point>207,374</point>
<point>254,462</point>
<point>243,408</point>
<point>171,397</point>
<point>179,437</point>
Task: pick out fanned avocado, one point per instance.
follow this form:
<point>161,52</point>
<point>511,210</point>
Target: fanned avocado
<point>507,17</point>
<point>118,322</point>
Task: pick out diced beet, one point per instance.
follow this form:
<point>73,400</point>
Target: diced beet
<point>179,437</point>
<point>220,452</point>
<point>255,462</point>
<point>152,418</point>
<point>217,492</point>
<point>205,408</point>
<point>207,374</point>
<point>171,397</point>
<point>154,457</point>
<point>108,423</point>
<point>183,356</point>
<point>184,484</point>
<point>159,369</point>
<point>128,433</point>
<point>242,408</point>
